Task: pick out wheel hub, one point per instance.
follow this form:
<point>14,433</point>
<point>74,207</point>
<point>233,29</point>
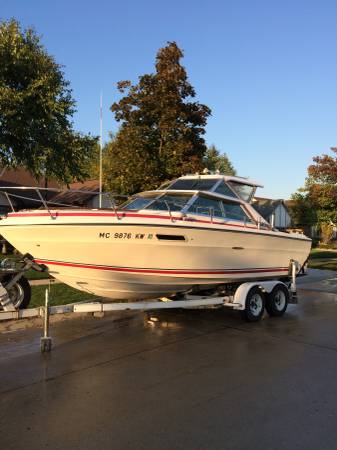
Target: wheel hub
<point>16,294</point>
<point>256,304</point>
<point>280,300</point>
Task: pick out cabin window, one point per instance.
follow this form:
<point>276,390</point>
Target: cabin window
<point>224,189</point>
<point>244,191</point>
<point>194,184</point>
<point>170,202</point>
<point>218,208</point>
<point>206,206</point>
<point>234,211</point>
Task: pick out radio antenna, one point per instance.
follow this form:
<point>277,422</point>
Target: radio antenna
<point>100,149</point>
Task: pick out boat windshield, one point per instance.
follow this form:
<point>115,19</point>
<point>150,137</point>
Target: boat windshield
<point>244,191</point>
<point>138,203</point>
<point>166,202</point>
<point>169,202</point>
<point>193,184</point>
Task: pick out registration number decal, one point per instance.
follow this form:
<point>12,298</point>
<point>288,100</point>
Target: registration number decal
<point>125,236</point>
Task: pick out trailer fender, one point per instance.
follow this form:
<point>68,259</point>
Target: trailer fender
<point>242,291</point>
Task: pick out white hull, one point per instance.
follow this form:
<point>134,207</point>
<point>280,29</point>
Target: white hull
<point>132,257</point>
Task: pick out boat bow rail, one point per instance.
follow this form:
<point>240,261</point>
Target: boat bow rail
<point>49,198</point>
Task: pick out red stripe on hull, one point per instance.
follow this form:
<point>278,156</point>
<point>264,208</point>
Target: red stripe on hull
<point>163,271</point>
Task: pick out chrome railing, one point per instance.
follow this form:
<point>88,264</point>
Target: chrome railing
<point>48,204</point>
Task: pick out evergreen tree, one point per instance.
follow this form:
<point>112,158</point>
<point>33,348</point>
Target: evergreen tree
<point>214,161</point>
<point>161,132</point>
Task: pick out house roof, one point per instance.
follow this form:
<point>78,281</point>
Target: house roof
<point>21,177</point>
<point>266,206</point>
<point>90,188</point>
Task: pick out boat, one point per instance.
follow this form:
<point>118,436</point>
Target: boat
<point>196,232</point>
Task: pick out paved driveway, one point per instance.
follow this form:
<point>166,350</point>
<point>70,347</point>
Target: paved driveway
<point>200,379</point>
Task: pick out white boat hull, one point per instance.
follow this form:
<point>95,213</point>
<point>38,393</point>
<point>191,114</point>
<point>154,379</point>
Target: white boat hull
<point>139,257</point>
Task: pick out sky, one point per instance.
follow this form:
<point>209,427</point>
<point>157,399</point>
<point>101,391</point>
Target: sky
<point>266,68</point>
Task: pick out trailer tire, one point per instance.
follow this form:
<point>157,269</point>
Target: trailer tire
<point>255,303</point>
<point>277,301</point>
<point>20,293</point>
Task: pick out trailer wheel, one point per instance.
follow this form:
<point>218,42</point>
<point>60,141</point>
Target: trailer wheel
<point>20,293</point>
<point>255,302</point>
<point>277,301</point>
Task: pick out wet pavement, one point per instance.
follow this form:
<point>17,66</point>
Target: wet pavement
<point>189,379</point>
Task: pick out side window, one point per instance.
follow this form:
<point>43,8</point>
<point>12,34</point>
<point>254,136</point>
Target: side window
<point>207,207</point>
<point>234,211</point>
<point>223,189</point>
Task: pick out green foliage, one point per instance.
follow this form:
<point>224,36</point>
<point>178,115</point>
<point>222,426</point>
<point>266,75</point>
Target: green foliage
<point>161,130</point>
<point>129,166</point>
<point>214,160</point>
<point>326,232</point>
<point>36,107</point>
<point>302,210</point>
<point>321,187</point>
<point>93,163</point>
<point>317,201</point>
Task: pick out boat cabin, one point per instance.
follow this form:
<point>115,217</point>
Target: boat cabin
<point>216,196</point>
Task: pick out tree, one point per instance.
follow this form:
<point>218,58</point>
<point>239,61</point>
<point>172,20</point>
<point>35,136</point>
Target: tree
<point>213,161</point>
<point>316,202</point>
<point>93,164</point>
<point>129,166</point>
<point>161,132</point>
<point>321,186</point>
<point>36,107</point>
<point>302,209</point>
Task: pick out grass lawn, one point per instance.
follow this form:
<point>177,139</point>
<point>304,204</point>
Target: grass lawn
<point>32,274</point>
<point>323,259</point>
<point>60,294</point>
<point>319,253</point>
<point>326,264</point>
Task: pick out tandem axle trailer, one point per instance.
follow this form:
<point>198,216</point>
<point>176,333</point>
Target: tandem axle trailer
<point>250,298</point>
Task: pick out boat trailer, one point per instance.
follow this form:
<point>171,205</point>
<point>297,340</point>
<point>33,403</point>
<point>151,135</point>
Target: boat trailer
<point>251,298</point>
